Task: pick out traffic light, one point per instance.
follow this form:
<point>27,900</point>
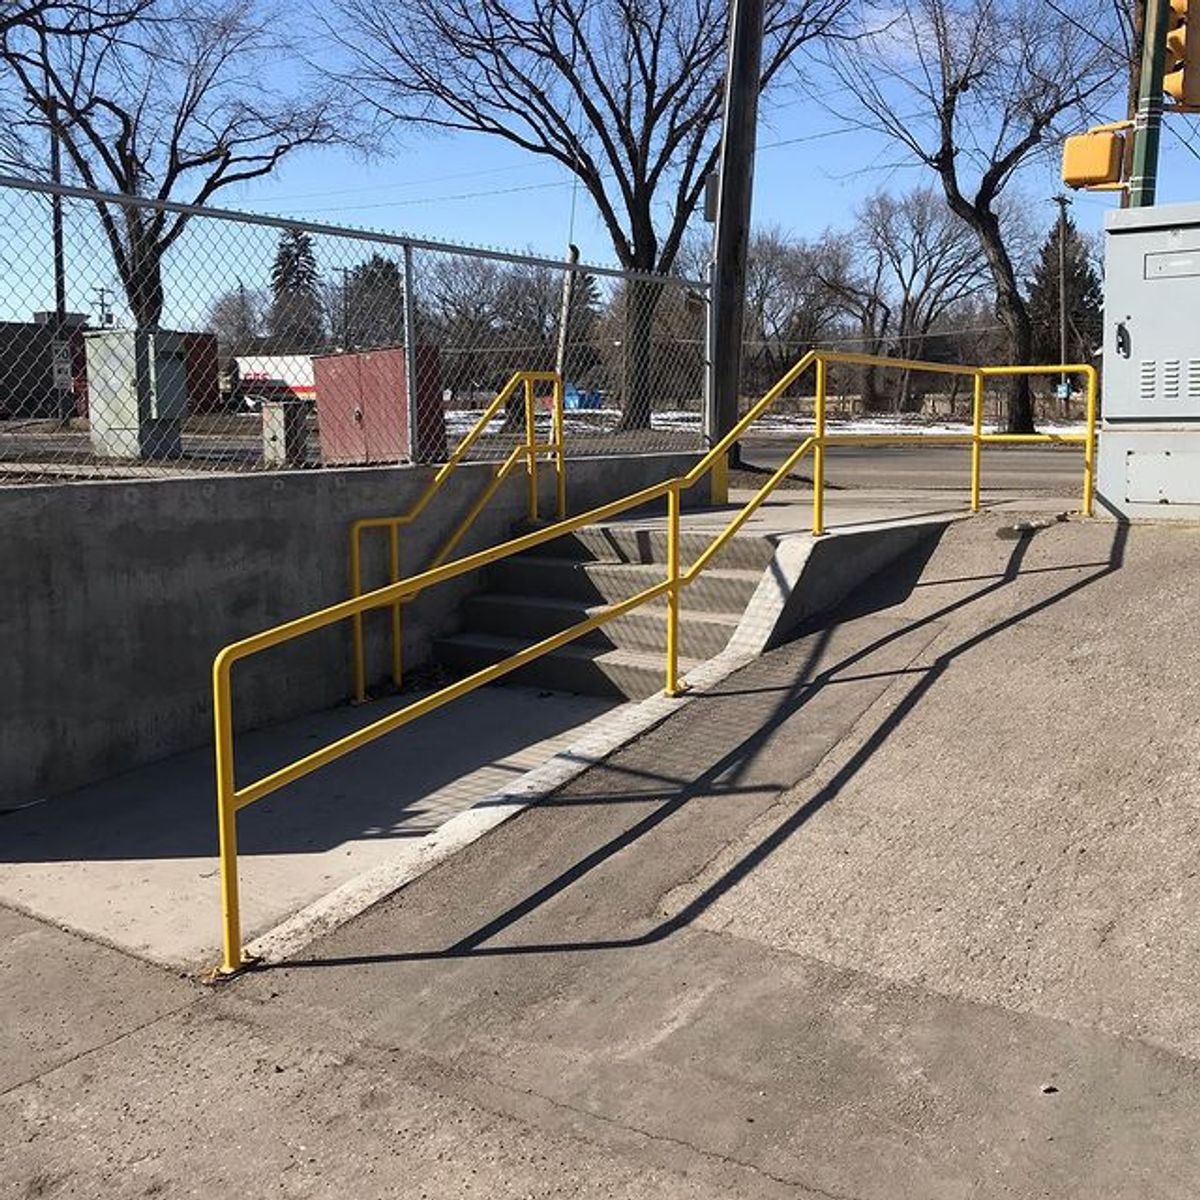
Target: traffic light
<point>1181,68</point>
<point>1093,159</point>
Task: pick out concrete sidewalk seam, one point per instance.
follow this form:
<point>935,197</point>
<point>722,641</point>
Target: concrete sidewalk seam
<point>433,1074</point>
<point>115,1040</point>
<point>144,955</point>
<point>714,1155</point>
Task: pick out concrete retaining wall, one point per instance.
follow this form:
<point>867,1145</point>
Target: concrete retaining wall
<point>114,597</point>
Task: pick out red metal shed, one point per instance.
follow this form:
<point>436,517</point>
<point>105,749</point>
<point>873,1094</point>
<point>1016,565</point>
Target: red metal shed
<point>362,407</point>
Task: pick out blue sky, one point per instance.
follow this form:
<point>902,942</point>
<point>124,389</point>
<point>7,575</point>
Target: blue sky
<point>479,189</point>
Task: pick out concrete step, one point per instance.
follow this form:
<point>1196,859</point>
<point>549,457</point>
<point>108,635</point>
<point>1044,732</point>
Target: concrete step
<point>579,667</point>
<point>702,634</point>
<point>718,589</point>
<point>628,543</point>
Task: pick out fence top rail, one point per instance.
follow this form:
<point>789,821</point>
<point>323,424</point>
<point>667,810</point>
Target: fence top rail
<point>70,191</point>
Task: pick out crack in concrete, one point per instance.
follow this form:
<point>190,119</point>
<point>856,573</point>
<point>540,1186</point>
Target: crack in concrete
<point>684,1144</point>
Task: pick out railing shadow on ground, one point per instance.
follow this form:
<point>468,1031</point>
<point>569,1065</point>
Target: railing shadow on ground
<point>731,768</point>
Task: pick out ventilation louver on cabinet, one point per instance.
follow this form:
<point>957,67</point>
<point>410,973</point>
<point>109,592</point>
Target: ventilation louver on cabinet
<point>1193,379</point>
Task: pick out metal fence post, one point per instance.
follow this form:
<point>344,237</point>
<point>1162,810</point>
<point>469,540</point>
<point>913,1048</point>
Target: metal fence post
<point>720,473</point>
<point>410,354</point>
<point>564,312</point>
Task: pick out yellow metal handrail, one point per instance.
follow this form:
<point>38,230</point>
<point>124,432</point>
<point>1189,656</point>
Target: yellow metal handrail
<point>529,451</point>
<point>231,798</point>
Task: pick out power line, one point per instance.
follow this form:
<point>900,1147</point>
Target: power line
<point>1186,143</point>
<point>549,185</point>
<point>527,187</point>
<point>383,187</point>
<point>1075,23</point>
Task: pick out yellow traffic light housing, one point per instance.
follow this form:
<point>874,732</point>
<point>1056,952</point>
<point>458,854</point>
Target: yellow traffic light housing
<point>1094,159</point>
<point>1181,68</point>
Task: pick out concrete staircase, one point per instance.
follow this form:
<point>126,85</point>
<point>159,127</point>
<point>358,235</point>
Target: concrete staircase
<point>531,596</point>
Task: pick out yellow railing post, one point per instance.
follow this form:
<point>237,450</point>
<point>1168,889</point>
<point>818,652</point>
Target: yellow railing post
<point>1089,447</point>
<point>231,921</point>
<point>672,687</point>
<point>531,449</point>
<point>393,524</point>
<point>356,624</point>
<point>977,440</point>
<point>559,439</point>
<point>397,627</point>
<point>818,521</point>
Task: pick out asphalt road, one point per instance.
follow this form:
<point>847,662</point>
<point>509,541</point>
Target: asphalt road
<point>1027,470</point>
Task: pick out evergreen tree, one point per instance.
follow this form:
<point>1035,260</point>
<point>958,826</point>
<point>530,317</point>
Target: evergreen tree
<point>373,304</point>
<point>296,320</point>
<point>1084,298</point>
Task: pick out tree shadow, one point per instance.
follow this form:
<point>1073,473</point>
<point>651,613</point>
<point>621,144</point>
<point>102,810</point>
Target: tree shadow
<point>725,776</point>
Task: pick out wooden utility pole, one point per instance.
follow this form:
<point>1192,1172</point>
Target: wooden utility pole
<point>739,126</point>
<point>1062,200</point>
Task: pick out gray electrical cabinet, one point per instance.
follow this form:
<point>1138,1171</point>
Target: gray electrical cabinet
<point>137,392</point>
<point>1149,453</point>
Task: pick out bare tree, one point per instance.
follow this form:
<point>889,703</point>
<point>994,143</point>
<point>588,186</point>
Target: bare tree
<point>931,260</point>
<point>172,106</point>
<point>238,318</point>
<point>460,300</point>
<point>994,83</point>
<point>67,18</point>
<point>789,306</point>
<point>625,94</point>
<point>854,271</point>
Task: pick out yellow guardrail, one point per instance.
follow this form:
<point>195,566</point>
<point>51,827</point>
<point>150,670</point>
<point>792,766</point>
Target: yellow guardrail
<point>529,452</point>
<point>231,798</point>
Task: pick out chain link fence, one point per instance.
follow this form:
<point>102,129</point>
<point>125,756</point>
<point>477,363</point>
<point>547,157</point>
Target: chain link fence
<point>144,339</point>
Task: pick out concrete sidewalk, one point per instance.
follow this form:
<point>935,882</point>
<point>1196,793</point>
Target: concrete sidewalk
<point>905,908</point>
<point>132,861</point>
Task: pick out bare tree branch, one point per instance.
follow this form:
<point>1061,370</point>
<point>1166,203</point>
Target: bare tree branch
<point>624,94</point>
<point>986,87</point>
<point>173,105</point>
